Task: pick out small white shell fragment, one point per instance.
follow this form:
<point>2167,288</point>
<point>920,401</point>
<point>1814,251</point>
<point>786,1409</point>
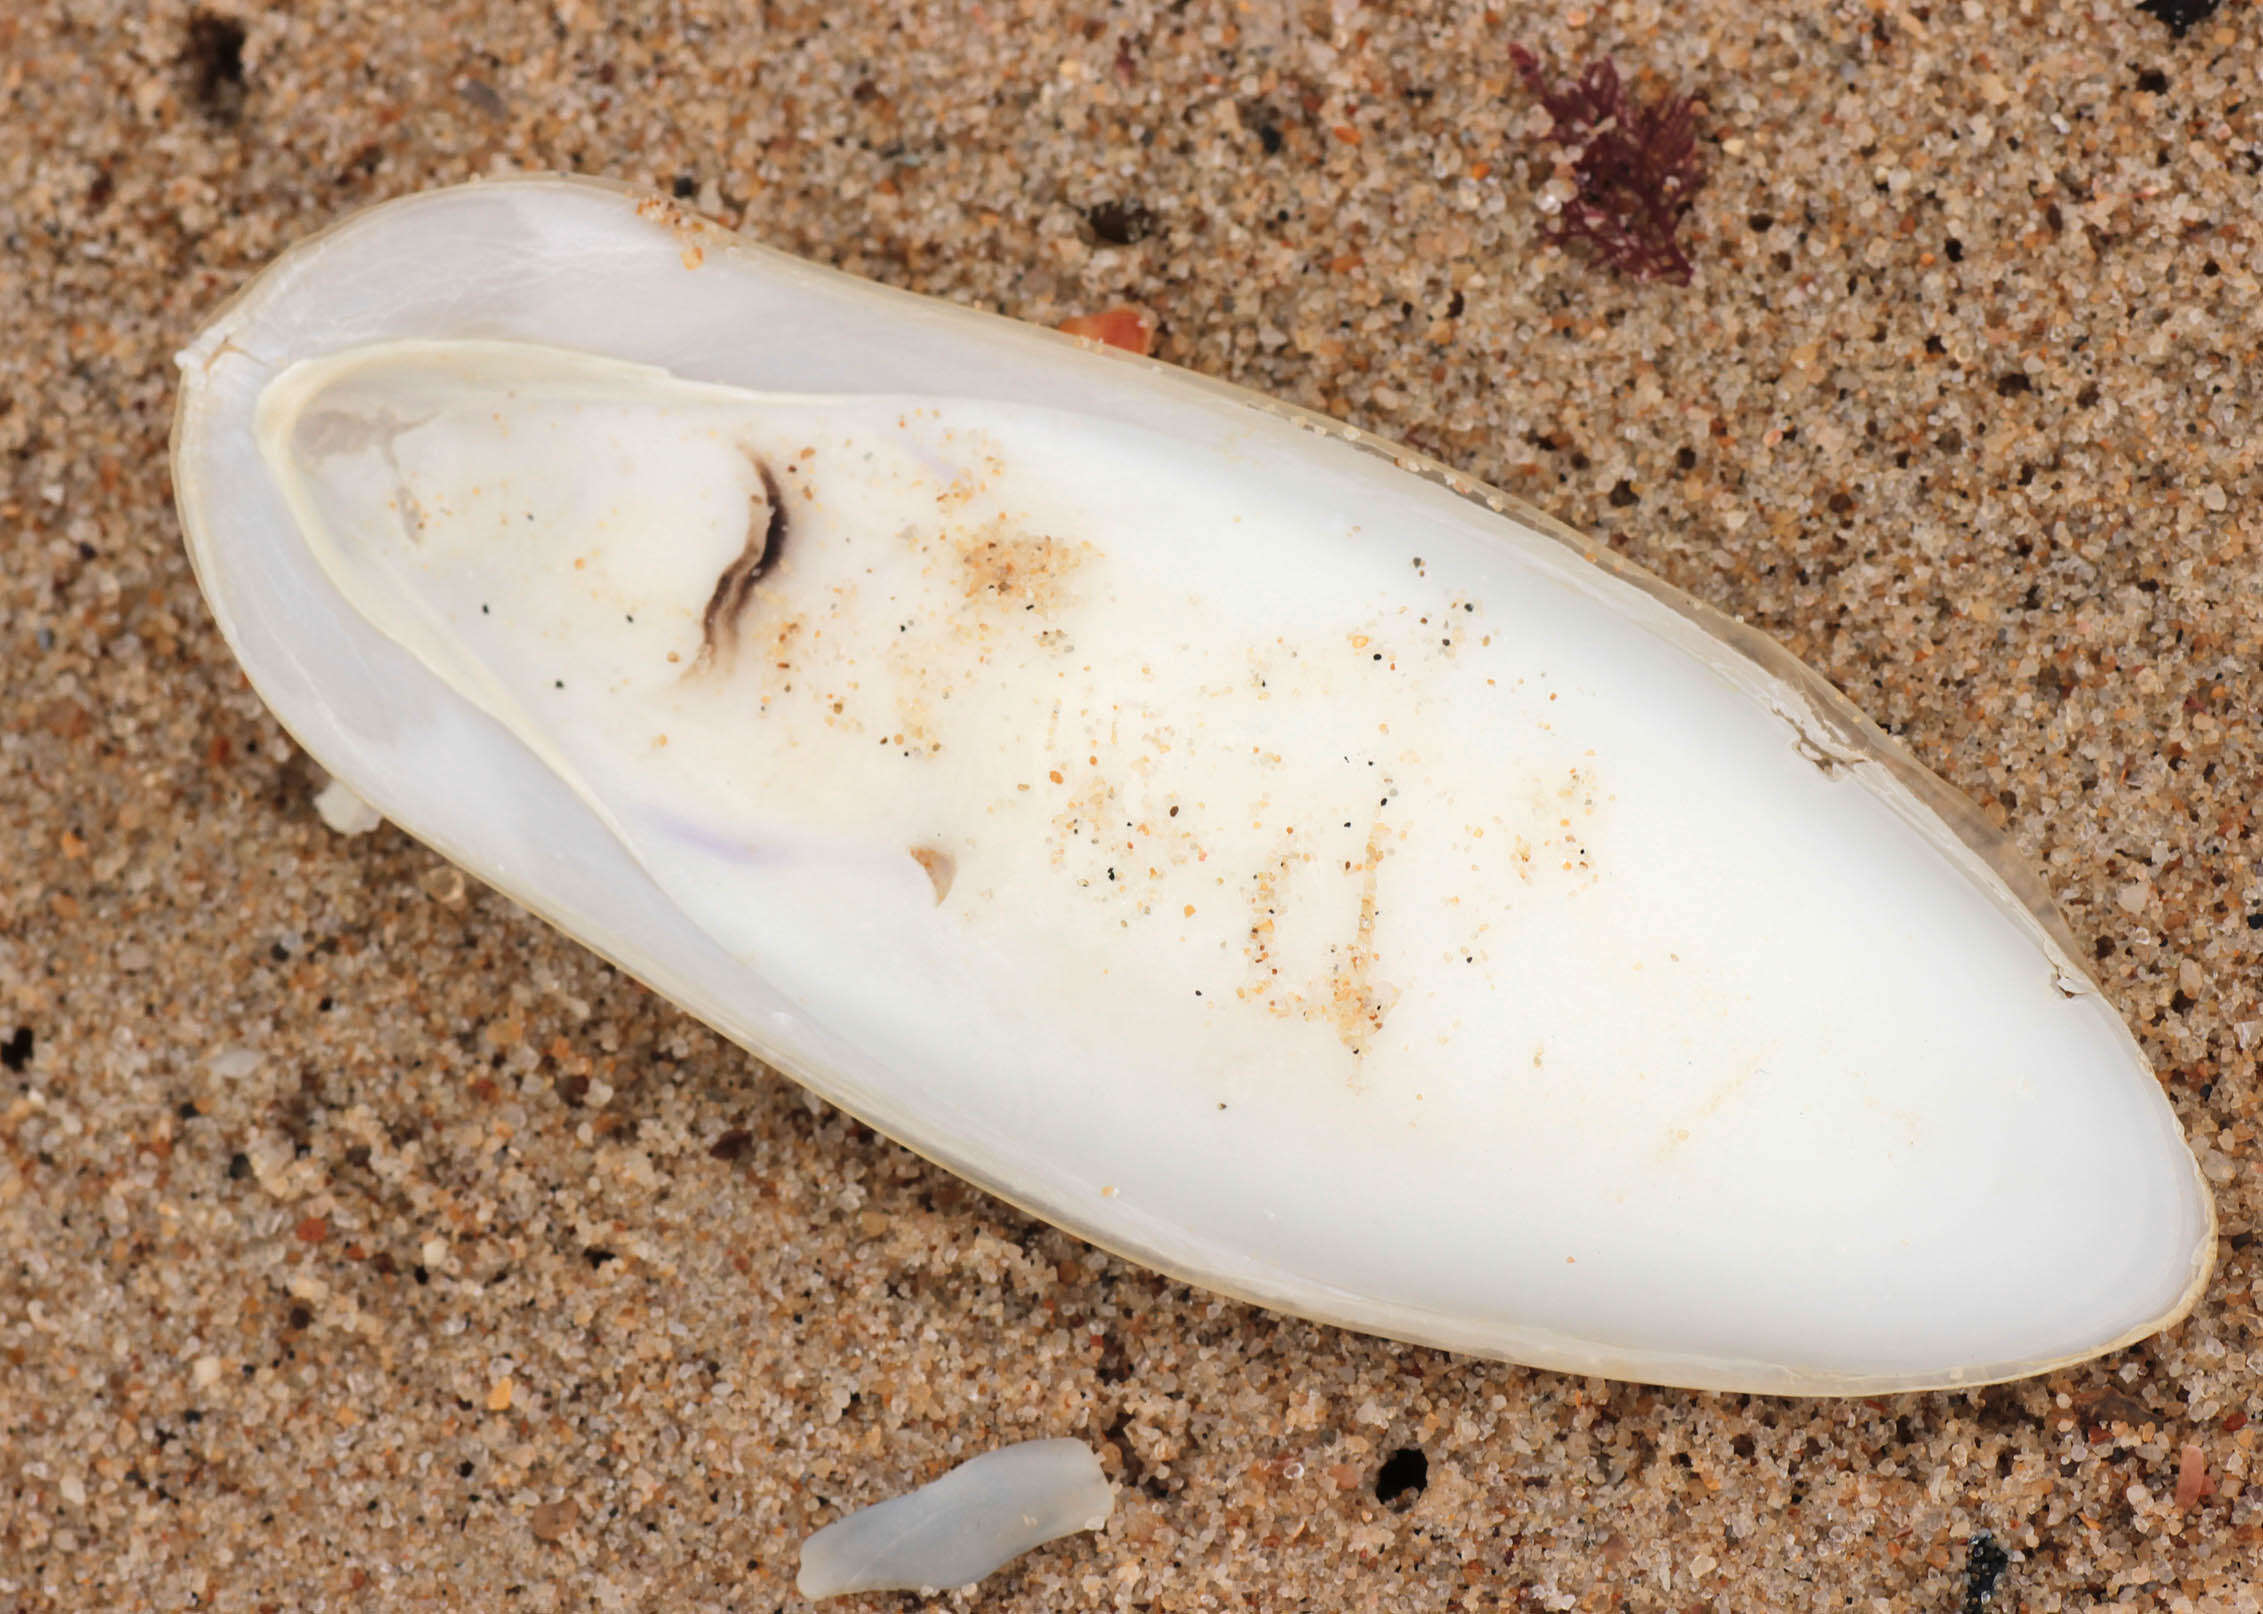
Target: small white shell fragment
<point>1328,882</point>
<point>233,1064</point>
<point>952,1532</point>
<point>344,811</point>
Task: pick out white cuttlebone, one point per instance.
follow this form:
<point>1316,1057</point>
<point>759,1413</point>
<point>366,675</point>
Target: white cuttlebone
<point>1861,1123</point>
<point>983,1514</point>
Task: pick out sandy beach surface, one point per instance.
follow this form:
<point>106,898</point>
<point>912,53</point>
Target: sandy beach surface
<point>364,1244</point>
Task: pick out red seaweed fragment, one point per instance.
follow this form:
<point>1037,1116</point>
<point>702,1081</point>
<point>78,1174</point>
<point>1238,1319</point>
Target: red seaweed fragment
<point>1636,168</point>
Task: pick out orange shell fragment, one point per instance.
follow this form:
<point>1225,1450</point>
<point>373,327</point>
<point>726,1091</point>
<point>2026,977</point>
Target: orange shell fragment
<point>1132,329</point>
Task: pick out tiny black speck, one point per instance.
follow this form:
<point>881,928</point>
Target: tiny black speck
<point>1623,494</point>
<point>239,1167</point>
<point>1984,1566</point>
<point>1270,138</point>
<point>2153,81</point>
<point>597,1257</point>
<point>1405,1475</point>
<point>464,1468</point>
<point>685,187</point>
<point>2255,921</point>
<point>1955,250</point>
<point>2012,383</point>
<point>16,1052</point>
<point>301,1318</point>
<point>188,1111</point>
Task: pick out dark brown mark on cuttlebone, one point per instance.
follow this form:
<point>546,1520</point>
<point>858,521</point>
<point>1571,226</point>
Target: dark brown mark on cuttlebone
<point>765,541</point>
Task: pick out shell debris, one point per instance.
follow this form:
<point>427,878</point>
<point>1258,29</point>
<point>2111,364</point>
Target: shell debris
<point>345,811</point>
<point>984,1513</point>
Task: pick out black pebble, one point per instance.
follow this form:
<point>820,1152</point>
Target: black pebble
<point>214,56</point>
<point>1984,1566</point>
<point>2180,15</point>
<point>1405,1474</point>
<point>1119,224</point>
